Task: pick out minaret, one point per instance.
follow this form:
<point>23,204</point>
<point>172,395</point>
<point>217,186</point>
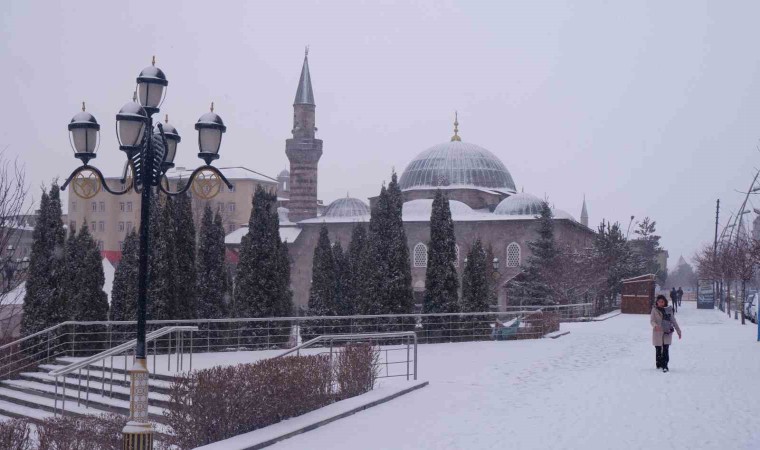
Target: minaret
<point>584,213</point>
<point>303,151</point>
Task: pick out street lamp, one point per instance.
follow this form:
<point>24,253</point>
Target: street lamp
<point>150,153</point>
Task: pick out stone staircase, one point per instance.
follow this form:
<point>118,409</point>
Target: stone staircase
<point>32,395</point>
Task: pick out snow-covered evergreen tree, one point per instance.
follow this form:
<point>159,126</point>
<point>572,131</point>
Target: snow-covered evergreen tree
<point>358,272</point>
<point>389,286</point>
<point>88,302</point>
<point>44,303</point>
<point>533,288</point>
<point>343,306</point>
<point>475,286</point>
<point>399,279</point>
<point>162,298</point>
<point>125,281</point>
<point>614,255</point>
<point>441,278</point>
<point>262,283</point>
<point>184,242</point>
<point>323,278</point>
<point>211,267</point>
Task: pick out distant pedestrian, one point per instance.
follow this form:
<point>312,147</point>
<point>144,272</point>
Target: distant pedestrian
<point>674,298</point>
<point>663,325</point>
<point>680,295</point>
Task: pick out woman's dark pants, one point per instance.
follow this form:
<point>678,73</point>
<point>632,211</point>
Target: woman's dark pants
<point>662,355</point>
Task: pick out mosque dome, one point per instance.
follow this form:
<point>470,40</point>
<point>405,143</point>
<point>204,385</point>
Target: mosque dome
<point>457,164</point>
<point>284,174</point>
<point>522,204</point>
<point>346,207</point>
<point>421,209</point>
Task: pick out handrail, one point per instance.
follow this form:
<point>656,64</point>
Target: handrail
<point>118,349</point>
<point>348,337</point>
<point>292,318</point>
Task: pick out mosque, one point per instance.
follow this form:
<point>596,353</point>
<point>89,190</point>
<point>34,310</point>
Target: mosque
<point>484,204</point>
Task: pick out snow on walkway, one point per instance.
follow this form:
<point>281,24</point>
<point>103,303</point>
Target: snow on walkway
<point>596,388</point>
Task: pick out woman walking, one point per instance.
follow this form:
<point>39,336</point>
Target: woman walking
<point>663,324</point>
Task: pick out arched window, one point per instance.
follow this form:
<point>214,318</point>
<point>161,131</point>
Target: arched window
<point>420,255</point>
<point>513,254</point>
<point>456,259</point>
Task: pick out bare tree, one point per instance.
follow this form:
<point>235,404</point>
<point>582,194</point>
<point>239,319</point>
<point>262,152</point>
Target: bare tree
<point>14,224</point>
<point>744,266</point>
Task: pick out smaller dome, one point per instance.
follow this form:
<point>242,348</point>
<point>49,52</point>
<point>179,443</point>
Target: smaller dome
<point>284,174</point>
<point>562,214</point>
<point>346,207</point>
<point>522,204</point>
<point>422,209</point>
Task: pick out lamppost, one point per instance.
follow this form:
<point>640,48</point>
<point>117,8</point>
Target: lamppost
<point>495,283</point>
<point>150,153</point>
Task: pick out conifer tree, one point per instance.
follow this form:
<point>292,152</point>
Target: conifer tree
<point>162,297</point>
<point>184,237</point>
<point>44,304</point>
<point>399,279</point>
<point>475,285</point>
<point>88,302</point>
<point>441,278</point>
<point>125,281</point>
<point>343,306</point>
<point>262,283</point>
<point>533,288</point>
<point>211,267</point>
<point>357,271</point>
<point>323,278</point>
<point>375,263</point>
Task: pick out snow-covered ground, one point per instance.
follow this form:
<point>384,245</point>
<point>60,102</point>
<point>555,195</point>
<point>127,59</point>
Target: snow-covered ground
<point>596,388</point>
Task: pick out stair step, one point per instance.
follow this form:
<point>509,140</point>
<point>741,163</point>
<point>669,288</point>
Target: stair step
<point>160,384</point>
<point>16,411</point>
<point>118,368</point>
<point>118,388</point>
<point>48,386</point>
<point>45,401</point>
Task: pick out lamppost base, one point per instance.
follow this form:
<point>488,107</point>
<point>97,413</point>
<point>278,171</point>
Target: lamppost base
<point>138,432</point>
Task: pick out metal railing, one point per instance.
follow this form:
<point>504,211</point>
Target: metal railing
<point>383,342</point>
<point>107,372</point>
<point>84,339</point>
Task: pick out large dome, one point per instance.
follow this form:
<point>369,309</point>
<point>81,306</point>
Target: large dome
<point>347,207</point>
<point>457,164</point>
<point>522,204</point>
<point>422,209</point>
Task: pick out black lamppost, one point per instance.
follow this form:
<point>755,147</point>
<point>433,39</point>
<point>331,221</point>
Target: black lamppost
<point>150,153</point>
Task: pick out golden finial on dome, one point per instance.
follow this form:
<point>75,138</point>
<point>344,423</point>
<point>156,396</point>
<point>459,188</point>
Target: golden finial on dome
<point>153,61</point>
<point>83,108</point>
<point>212,106</point>
<point>456,128</point>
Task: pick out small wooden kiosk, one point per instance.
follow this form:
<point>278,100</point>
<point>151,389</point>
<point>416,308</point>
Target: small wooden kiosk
<point>638,295</point>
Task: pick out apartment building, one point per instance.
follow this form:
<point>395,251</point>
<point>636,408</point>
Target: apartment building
<point>111,217</point>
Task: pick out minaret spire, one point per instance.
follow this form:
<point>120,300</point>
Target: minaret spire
<point>584,212</point>
<point>305,94</point>
<point>456,128</point>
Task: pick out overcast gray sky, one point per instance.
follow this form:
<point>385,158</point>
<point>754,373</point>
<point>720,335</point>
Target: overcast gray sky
<point>649,108</point>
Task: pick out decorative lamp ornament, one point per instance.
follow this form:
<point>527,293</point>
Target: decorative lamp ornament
<point>84,134</point>
<point>210,128</point>
<point>151,84</point>
<point>172,139</point>
<point>496,264</point>
<point>130,126</point>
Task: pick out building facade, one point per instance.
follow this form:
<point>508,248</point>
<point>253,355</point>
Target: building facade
<point>111,217</point>
<point>484,203</point>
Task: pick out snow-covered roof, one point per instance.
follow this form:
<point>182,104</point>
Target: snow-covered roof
<point>15,296</point>
<point>232,173</point>
<point>562,214</point>
<point>287,234</point>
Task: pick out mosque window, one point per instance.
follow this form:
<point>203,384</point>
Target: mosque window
<point>513,255</point>
<point>456,257</point>
<point>420,255</point>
